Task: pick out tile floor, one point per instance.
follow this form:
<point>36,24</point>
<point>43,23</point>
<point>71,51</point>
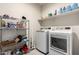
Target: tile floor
<point>35,52</point>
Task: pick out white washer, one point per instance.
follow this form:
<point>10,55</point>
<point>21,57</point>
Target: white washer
<point>64,41</point>
<point>42,40</point>
<point>42,43</point>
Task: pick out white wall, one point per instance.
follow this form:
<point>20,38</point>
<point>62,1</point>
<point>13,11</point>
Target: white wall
<point>31,11</point>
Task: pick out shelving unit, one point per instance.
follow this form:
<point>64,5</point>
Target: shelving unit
<point>73,12</point>
<point>6,33</point>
